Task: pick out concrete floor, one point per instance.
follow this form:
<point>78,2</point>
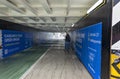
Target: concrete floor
<point>58,64</point>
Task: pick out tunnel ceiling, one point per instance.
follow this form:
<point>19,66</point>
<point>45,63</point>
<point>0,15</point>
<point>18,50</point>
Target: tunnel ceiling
<point>48,15</point>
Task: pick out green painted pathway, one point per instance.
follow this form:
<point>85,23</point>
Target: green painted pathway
<point>15,66</point>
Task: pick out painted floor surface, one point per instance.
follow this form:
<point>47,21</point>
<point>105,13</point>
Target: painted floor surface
<point>58,64</point>
<point>14,67</point>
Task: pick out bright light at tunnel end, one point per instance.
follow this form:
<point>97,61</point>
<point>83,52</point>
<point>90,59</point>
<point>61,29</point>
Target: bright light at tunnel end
<point>95,5</point>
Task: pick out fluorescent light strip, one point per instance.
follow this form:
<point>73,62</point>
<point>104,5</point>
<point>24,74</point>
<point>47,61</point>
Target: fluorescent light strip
<point>99,2</point>
<point>73,25</point>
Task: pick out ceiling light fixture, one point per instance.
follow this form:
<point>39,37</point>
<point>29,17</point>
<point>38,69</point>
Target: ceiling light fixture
<point>73,25</point>
<point>99,2</point>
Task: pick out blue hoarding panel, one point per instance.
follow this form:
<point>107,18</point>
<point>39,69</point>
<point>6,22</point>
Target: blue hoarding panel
<point>15,41</point>
<point>88,48</point>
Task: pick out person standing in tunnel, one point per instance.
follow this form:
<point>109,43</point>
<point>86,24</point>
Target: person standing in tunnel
<point>67,42</point>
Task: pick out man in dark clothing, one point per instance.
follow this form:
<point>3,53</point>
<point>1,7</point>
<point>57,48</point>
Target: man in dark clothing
<point>67,42</point>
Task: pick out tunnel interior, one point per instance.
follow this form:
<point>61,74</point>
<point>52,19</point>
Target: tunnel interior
<point>34,42</point>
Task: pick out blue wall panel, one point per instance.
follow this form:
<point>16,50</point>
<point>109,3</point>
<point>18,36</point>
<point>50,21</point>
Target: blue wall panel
<point>15,41</point>
<point>88,48</point>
